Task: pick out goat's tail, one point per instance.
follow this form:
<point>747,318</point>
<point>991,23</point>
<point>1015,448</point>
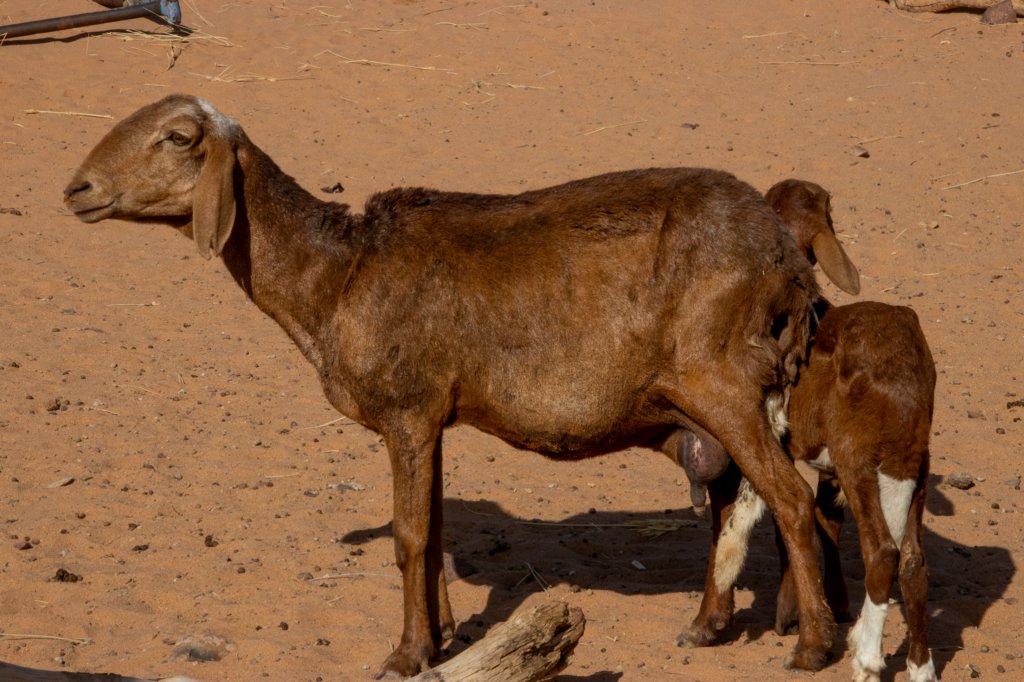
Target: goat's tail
<point>731,551</point>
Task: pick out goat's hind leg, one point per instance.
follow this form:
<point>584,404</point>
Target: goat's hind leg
<point>913,578</point>
<point>880,505</point>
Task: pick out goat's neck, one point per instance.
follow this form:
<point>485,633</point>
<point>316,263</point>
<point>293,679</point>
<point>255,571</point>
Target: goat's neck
<point>290,252</point>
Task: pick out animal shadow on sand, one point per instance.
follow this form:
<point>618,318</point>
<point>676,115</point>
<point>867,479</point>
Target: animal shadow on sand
<point>652,553</point>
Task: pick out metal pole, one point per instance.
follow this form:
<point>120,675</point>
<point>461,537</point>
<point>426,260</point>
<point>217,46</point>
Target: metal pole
<point>151,9</point>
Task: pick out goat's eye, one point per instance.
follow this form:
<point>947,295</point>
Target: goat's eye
<point>179,139</point>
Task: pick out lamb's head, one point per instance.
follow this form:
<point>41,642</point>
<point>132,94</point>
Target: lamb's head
<point>806,210</point>
<point>169,160</point>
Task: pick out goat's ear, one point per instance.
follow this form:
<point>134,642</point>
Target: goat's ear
<point>833,260</point>
<point>213,200</point>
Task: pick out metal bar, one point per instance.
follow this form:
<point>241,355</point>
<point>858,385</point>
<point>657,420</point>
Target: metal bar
<point>146,9</point>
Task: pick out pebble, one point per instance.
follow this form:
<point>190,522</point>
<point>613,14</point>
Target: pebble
<point>202,648</point>
<point>960,480</point>
<point>65,576</point>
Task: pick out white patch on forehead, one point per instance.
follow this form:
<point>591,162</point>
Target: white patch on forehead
<point>220,122</point>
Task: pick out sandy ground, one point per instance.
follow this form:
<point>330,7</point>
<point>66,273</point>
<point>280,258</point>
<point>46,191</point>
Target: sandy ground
<point>164,441</point>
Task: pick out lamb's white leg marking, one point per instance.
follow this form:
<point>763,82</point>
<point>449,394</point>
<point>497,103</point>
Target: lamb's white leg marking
<point>731,551</point>
<point>924,673</point>
<point>866,641</point>
<point>895,496</point>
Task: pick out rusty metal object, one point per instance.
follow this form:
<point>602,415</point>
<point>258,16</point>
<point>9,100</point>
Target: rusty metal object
<point>167,10</point>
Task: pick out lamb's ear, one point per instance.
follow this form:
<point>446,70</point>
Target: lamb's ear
<point>834,262</point>
<point>213,200</point>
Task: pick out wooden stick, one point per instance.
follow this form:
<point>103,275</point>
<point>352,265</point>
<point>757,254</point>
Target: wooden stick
<point>805,63</point>
<point>943,5</point>
<point>68,113</point>
<point>616,125</point>
<point>14,635</point>
<point>371,62</point>
<point>530,647</point>
<point>333,421</point>
<point>994,175</point>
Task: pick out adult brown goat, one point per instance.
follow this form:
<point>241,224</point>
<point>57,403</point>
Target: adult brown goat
<point>572,321</point>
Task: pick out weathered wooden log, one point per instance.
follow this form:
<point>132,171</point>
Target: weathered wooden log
<point>527,648</point>
<point>944,5</point>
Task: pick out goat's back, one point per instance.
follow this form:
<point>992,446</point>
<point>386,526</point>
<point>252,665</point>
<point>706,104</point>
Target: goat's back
<point>551,314</point>
<point>869,384</point>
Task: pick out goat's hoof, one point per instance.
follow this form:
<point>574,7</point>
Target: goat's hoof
<point>447,633</point>
<point>922,673</point>
<point>401,664</point>
<point>702,635</point>
<point>867,676</point>
<point>805,658</point>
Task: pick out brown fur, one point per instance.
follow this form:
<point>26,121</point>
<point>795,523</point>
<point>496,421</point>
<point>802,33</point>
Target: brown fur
<point>867,395</point>
<point>572,320</point>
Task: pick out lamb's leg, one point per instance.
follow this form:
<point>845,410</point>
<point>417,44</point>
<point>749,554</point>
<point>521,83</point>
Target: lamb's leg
<point>414,447</point>
<point>913,577</point>
<point>880,505</point>
<point>787,616</point>
<point>829,518</point>
<point>717,605</point>
<point>829,515</point>
<point>741,426</point>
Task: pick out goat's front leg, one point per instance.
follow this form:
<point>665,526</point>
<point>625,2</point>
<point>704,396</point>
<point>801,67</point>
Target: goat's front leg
<point>416,471</point>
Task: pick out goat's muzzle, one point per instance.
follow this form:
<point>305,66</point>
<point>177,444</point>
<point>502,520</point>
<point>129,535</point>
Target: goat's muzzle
<point>83,202</point>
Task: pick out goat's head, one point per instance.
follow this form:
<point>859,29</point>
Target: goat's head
<point>169,160</point>
<point>806,211</point>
